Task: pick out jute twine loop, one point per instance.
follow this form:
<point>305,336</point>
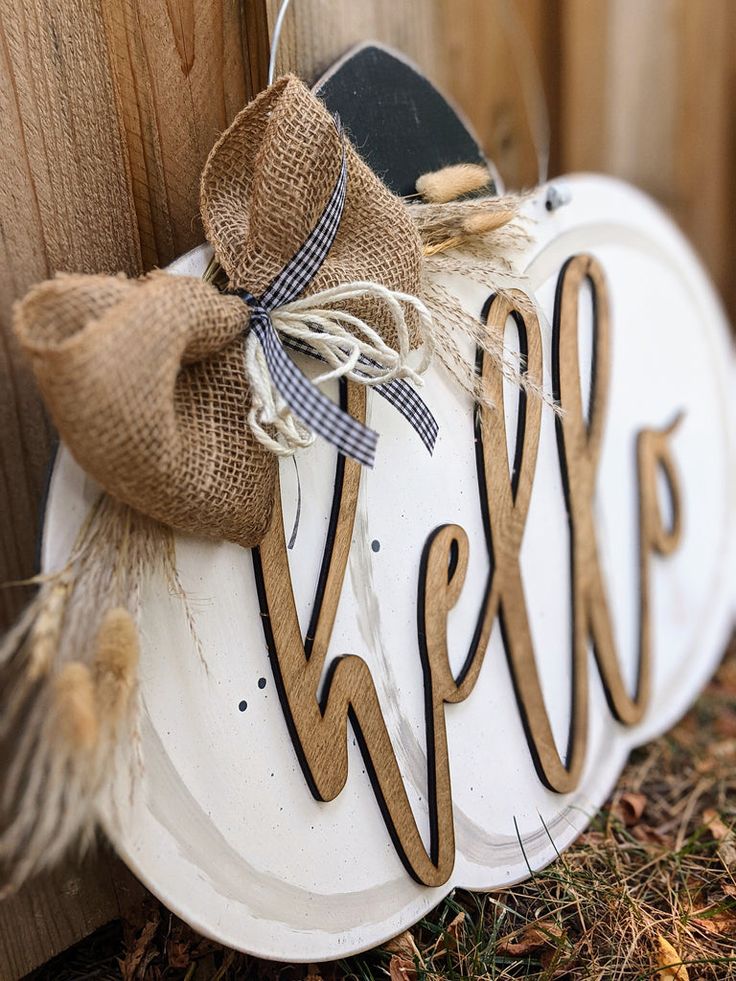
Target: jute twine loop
<point>352,347</point>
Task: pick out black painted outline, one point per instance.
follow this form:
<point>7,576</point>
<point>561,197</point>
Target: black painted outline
<point>308,641</point>
<point>482,487</point>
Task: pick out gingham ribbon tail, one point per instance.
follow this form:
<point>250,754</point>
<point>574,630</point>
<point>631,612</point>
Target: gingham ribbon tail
<point>305,400</point>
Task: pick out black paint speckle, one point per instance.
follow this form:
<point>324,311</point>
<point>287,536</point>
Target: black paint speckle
<point>376,545</point>
<point>261,682</point>
<point>243,705</point>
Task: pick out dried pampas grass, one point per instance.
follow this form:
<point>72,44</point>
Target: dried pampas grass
<point>480,239</point>
<point>75,711</point>
<point>485,222</point>
<point>115,663</point>
<point>69,672</point>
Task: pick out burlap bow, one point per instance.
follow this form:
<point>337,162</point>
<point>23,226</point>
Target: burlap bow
<point>145,379</point>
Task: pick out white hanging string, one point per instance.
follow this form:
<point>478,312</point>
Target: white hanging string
<point>275,38</point>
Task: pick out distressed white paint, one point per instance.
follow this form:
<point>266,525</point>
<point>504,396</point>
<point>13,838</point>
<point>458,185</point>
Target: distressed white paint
<point>222,826</point>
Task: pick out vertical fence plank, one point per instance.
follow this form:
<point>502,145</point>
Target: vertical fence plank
<point>317,32</point>
<point>646,90</point>
<point>180,76</point>
<point>705,136</point>
<point>64,185</point>
<point>109,109</point>
<point>65,905</point>
<point>504,81</point>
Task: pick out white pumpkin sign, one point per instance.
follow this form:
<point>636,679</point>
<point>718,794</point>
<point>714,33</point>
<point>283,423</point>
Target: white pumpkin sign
<point>485,641</point>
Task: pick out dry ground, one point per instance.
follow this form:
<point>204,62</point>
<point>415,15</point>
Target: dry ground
<point>648,892</point>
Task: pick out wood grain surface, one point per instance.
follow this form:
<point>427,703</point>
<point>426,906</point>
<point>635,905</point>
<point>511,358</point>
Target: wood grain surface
<point>60,908</point>
<point>110,106</point>
<point>318,714</point>
<point>109,110</point>
<point>646,92</point>
<point>497,81</point>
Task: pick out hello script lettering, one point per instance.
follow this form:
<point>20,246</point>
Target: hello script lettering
<point>318,726</point>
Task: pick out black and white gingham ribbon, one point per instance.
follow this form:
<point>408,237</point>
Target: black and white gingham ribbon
<point>304,399</point>
<point>396,392</point>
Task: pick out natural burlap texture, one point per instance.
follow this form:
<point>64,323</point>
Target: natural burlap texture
<point>282,156</point>
<point>145,380</point>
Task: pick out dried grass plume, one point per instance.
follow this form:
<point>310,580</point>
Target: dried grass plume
<point>115,664</point>
<point>449,183</point>
<point>68,671</point>
<point>74,707</point>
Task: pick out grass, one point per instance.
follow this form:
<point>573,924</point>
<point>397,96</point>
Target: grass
<point>648,892</point>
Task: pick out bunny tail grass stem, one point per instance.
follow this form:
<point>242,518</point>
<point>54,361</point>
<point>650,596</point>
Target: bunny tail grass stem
<point>449,183</point>
<point>70,673</point>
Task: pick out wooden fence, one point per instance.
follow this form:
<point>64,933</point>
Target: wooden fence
<point>109,108</point>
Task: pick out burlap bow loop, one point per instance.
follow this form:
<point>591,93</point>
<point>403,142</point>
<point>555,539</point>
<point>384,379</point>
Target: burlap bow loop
<point>147,381</point>
<point>264,187</point>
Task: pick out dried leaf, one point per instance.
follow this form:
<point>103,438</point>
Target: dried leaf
<point>532,937</point>
<point>725,725</point>
<point>713,823</point>
<point>723,835</point>
<point>132,961</point>
<point>401,966</point>
<point>720,924</point>
<point>727,853</point>
<point>403,945</point>
<point>401,969</point>
<point>668,962</point>
<point>453,928</point>
<point>648,835</point>
<point>448,939</point>
<point>629,808</point>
